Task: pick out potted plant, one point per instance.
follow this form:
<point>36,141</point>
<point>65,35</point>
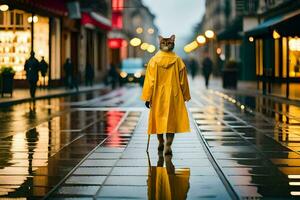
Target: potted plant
<point>229,74</point>
<point>7,79</point>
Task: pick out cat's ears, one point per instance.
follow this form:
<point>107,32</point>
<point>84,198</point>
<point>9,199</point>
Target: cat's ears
<point>172,38</point>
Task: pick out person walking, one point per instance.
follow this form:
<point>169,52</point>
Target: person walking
<point>44,69</point>
<point>193,67</point>
<point>207,68</point>
<point>68,67</point>
<point>114,75</point>
<point>32,68</point>
<point>89,75</point>
<point>165,91</point>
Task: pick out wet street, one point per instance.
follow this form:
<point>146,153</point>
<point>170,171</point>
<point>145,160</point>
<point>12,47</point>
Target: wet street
<point>93,145</point>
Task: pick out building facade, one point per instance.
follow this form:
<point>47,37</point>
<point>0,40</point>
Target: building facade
<point>228,18</point>
<point>276,45</point>
<point>131,19</point>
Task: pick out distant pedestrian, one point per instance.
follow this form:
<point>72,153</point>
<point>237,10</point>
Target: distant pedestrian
<point>32,68</point>
<point>44,69</point>
<point>89,75</point>
<point>207,65</point>
<point>68,67</point>
<point>114,75</point>
<point>193,65</point>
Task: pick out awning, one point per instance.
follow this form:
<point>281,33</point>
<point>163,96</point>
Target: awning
<point>285,25</point>
<point>232,32</point>
<point>56,7</point>
<point>94,19</point>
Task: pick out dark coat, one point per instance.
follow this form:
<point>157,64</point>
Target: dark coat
<point>89,72</point>
<point>44,67</point>
<point>207,66</point>
<point>32,68</point>
<point>68,67</point>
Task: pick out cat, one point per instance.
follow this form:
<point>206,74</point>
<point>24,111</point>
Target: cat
<point>166,44</point>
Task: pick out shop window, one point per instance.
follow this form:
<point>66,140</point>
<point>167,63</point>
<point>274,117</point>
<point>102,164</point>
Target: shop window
<point>294,57</point>
<point>15,41</point>
<point>19,19</point>
<point>294,92</point>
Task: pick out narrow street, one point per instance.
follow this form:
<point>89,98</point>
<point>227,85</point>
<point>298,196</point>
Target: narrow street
<point>94,145</point>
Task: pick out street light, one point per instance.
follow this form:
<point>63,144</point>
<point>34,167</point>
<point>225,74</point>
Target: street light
<point>191,47</point>
<point>209,34</point>
<point>135,42</point>
<point>144,46</point>
<point>4,7</point>
<point>276,35</point>
<point>150,31</point>
<point>139,30</point>
<point>151,48</point>
<point>201,39</point>
<point>35,19</point>
<point>251,39</point>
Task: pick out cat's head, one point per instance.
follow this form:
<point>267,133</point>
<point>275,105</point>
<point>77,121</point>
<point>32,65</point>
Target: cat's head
<point>166,44</point>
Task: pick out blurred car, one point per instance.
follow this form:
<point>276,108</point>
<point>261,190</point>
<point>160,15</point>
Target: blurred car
<point>132,70</point>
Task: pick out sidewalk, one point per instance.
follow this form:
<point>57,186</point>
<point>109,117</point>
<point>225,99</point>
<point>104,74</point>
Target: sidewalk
<point>22,95</point>
<point>125,172</point>
<point>244,89</point>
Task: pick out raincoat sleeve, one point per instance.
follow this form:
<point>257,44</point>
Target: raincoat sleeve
<point>184,84</point>
<point>149,82</point>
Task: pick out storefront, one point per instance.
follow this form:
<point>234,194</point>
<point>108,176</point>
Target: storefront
<point>277,55</point>
<point>23,30</point>
<point>94,48</point>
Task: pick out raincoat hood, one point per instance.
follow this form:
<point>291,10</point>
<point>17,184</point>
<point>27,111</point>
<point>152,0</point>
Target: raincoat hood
<point>165,59</point>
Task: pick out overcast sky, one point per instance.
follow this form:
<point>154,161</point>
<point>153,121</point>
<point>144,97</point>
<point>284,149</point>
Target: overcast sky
<point>176,17</point>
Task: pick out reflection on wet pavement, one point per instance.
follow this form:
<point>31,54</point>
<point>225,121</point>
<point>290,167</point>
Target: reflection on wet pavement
<point>34,161</point>
<point>86,179</point>
<point>123,172</point>
<point>258,157</point>
<point>167,183</point>
<point>93,145</point>
<point>40,145</point>
<point>22,117</point>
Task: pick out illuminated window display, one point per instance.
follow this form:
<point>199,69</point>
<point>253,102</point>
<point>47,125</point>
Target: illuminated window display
<point>15,39</point>
<point>294,57</point>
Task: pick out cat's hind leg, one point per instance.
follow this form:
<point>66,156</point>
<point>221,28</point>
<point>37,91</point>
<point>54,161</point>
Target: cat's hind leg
<point>161,141</point>
<point>170,138</point>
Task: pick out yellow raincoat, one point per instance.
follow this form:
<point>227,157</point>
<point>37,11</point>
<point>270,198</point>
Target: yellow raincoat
<point>166,87</point>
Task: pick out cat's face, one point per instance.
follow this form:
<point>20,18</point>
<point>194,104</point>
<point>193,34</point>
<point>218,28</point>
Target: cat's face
<point>166,44</point>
